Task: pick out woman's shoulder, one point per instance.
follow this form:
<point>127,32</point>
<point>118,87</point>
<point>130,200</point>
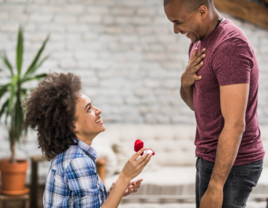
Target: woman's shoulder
<point>74,156</point>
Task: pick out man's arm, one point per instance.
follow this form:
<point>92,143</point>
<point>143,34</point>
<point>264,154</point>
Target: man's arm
<point>189,77</point>
<point>187,96</point>
<point>234,99</point>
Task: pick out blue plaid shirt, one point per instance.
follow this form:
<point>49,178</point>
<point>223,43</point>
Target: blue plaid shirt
<point>73,181</point>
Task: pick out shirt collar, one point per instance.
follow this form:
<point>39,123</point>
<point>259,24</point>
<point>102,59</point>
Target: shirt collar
<point>88,149</point>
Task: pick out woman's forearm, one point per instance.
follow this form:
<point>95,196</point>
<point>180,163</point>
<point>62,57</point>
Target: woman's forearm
<point>117,193</point>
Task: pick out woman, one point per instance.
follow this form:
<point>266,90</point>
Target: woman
<point>66,122</point>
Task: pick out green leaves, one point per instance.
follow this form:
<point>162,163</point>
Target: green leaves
<point>36,77</point>
<point>12,108</point>
<point>35,65</point>
<point>19,56</point>
<point>13,86</point>
<point>4,58</point>
<point>4,89</point>
<point>19,119</point>
<point>4,108</point>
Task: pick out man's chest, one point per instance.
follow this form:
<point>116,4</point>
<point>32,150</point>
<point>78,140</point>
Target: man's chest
<point>206,92</point>
<point>209,82</point>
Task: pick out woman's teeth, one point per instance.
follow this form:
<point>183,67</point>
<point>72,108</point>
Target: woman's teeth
<point>99,121</point>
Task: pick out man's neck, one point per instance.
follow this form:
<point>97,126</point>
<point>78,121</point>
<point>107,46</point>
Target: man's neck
<point>214,18</point>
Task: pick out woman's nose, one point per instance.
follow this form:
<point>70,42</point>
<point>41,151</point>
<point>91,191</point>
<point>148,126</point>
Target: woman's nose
<point>98,111</point>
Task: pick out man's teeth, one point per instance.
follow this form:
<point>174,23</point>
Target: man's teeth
<point>186,33</point>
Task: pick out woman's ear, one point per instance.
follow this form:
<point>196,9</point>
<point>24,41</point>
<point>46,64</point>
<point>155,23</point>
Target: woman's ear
<point>75,129</point>
<point>75,126</point>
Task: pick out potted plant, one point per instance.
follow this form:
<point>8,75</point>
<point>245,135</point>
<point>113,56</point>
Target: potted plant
<point>13,171</point>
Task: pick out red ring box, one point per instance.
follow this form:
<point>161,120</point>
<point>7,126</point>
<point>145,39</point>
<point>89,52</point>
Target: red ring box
<point>139,145</point>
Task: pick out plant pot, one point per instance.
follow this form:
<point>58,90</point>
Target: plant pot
<point>13,177</point>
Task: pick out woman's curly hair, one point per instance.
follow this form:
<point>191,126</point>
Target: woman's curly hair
<point>50,110</point>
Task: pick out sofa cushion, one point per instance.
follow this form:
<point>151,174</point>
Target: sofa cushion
<point>106,152</point>
<point>164,181</point>
<point>179,181</point>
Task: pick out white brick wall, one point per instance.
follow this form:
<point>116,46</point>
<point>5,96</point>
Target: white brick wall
<point>126,53</point>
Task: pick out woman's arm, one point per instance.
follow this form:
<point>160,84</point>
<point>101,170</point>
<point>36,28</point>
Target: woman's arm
<point>132,168</point>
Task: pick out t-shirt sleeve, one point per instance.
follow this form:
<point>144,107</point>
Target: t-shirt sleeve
<point>232,62</point>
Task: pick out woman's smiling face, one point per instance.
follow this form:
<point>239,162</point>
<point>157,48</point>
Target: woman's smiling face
<point>88,123</point>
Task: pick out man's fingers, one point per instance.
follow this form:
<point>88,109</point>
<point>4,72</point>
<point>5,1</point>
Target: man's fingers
<point>198,66</point>
<point>198,60</point>
<point>196,77</point>
<point>201,52</point>
<point>194,54</point>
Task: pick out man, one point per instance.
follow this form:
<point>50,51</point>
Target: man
<point>220,84</point>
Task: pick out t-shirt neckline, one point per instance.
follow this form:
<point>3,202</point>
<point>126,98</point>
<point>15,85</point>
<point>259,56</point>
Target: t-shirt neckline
<point>214,31</point>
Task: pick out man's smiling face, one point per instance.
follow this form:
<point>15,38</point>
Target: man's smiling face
<point>185,21</point>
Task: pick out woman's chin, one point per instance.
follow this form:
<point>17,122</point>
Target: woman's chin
<point>101,126</point>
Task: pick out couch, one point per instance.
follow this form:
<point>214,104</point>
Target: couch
<point>170,175</point>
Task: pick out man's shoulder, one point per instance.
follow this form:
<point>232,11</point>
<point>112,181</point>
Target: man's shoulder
<point>230,34</point>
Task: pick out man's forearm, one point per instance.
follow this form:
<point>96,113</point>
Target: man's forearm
<point>227,149</point>
<point>187,95</point>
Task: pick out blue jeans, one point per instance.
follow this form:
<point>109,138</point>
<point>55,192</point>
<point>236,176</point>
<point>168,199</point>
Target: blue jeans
<point>238,186</point>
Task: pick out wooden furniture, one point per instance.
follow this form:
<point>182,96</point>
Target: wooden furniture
<point>100,163</point>
<point>24,198</point>
<point>34,180</point>
<point>245,10</point>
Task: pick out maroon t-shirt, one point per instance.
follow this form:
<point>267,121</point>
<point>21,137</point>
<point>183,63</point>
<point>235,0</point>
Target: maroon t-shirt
<point>230,60</point>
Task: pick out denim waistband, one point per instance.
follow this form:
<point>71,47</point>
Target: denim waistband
<point>209,164</point>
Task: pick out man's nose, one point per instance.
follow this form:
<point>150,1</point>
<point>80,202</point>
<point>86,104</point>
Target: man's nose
<point>176,29</point>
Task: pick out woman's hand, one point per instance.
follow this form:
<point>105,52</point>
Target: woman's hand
<point>123,186</point>
<point>132,187</point>
<point>135,164</point>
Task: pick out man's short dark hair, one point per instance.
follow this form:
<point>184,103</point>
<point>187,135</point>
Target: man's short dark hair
<point>191,4</point>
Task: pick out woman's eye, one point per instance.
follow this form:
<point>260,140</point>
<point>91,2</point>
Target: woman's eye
<point>89,108</point>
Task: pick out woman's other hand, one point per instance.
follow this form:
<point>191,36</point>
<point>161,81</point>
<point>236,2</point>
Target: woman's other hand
<point>132,187</point>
